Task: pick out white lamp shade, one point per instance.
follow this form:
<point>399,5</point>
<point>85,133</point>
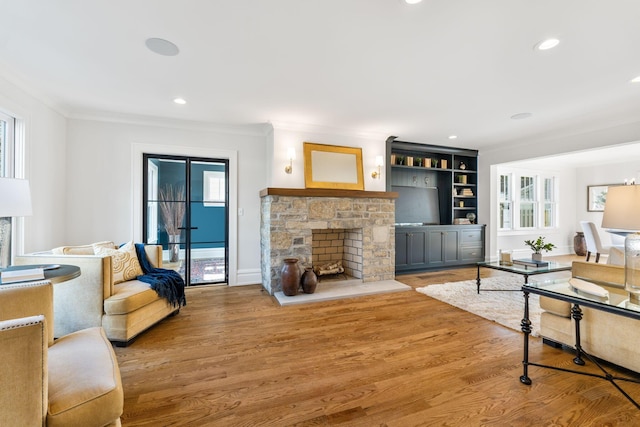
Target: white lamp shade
<point>622,208</point>
<point>15,197</point>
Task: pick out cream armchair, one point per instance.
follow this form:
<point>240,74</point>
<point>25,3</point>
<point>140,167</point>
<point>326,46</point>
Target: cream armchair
<point>74,381</point>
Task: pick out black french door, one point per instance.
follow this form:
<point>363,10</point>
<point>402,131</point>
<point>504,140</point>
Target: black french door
<point>186,210</point>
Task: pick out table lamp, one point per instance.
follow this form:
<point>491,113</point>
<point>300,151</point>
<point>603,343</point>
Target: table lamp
<point>622,212</point>
<point>15,200</point>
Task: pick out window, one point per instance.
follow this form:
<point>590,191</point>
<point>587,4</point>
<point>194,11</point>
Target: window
<point>505,214</point>
<point>7,162</point>
<point>213,188</point>
<point>526,200</point>
<point>549,200</point>
<point>527,205</point>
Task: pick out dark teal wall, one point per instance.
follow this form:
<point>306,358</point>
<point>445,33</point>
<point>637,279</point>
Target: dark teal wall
<point>209,220</point>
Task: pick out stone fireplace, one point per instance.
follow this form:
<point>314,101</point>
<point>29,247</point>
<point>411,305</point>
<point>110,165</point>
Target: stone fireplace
<point>317,225</point>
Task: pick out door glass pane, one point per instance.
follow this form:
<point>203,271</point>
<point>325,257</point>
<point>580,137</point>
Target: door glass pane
<point>166,209</point>
<point>208,222</point>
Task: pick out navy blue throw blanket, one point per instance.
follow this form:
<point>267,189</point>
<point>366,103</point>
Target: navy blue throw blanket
<point>167,283</point>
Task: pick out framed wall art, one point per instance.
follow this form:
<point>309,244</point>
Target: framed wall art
<point>597,196</point>
<point>333,166</point>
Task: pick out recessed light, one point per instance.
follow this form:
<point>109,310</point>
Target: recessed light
<point>453,136</point>
<point>635,80</point>
<point>162,47</point>
<point>547,44</point>
<point>179,101</point>
<point>412,1</point>
<point>521,116</point>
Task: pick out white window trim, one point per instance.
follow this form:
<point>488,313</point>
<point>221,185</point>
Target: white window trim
<point>539,177</point>
<point>208,177</point>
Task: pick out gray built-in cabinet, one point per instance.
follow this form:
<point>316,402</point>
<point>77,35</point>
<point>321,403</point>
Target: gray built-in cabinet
<point>437,189</point>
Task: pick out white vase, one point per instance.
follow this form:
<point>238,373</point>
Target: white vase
<point>174,247</point>
<point>536,256</point>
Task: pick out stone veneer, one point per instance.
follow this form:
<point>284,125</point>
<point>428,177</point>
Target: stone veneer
<point>288,217</point>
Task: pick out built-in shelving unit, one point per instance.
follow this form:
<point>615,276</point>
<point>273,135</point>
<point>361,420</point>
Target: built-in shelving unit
<point>453,172</point>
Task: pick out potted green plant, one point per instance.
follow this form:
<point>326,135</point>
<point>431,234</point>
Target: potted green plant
<point>537,246</point>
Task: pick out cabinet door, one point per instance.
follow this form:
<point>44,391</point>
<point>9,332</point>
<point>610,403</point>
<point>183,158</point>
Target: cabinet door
<point>417,245</point>
<point>443,247</point>
<point>410,249</point>
<point>402,250</point>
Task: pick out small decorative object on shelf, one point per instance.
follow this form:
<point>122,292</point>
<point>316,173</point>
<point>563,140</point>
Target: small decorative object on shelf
<point>505,257</point>
<point>471,217</point>
<point>537,246</point>
<point>463,166</point>
<point>434,163</point>
<point>443,163</point>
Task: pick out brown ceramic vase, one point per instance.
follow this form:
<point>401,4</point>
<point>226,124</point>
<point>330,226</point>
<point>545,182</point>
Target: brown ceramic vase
<point>309,281</point>
<point>290,277</point>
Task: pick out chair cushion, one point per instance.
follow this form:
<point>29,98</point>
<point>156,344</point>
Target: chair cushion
<point>84,380</point>
<point>128,297</point>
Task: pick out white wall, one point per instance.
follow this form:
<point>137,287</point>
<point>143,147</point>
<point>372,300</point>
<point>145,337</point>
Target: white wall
<point>538,148</point>
<point>611,173</point>
<point>562,236</point>
<point>101,177</point>
<point>286,136</point>
<point>45,165</point>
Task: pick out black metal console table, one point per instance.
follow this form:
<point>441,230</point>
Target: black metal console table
<point>561,290</point>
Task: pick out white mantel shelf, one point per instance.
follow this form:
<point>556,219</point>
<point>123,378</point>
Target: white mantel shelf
<point>322,192</point>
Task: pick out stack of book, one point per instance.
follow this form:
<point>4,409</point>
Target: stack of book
<point>467,192</point>
<point>21,275</point>
<point>531,263</point>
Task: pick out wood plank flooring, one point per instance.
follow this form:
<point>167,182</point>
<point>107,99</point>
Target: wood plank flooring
<point>234,357</point>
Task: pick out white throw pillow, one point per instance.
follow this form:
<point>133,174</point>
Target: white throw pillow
<point>81,249</point>
<point>124,262</point>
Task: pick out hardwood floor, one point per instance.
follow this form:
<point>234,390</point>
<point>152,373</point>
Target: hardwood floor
<point>234,357</point>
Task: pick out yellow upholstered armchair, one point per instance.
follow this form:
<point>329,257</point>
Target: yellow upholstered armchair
<point>72,381</point>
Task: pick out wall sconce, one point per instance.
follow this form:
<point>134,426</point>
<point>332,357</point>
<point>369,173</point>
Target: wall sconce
<point>291,155</point>
<point>379,163</point>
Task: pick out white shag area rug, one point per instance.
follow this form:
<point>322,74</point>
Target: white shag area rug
<point>503,307</point>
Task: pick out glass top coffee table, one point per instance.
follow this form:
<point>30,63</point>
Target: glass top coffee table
<point>522,270</point>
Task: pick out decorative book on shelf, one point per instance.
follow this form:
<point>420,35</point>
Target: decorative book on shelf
<point>531,263</point>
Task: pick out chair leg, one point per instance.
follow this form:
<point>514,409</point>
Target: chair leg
<point>597,256</point>
<point>588,256</point>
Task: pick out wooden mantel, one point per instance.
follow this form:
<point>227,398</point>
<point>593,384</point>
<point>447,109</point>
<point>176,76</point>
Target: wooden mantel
<point>322,192</point>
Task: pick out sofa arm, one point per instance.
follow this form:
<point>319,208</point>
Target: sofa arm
<point>24,391</point>
<point>154,254</point>
<point>77,303</point>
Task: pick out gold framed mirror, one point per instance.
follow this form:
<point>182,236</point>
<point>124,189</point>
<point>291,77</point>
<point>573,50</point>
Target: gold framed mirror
<point>333,166</point>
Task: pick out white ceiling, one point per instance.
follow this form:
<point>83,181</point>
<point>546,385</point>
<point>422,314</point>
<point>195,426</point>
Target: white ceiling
<point>421,72</point>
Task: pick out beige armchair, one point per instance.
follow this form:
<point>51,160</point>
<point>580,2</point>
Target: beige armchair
<point>74,381</point>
